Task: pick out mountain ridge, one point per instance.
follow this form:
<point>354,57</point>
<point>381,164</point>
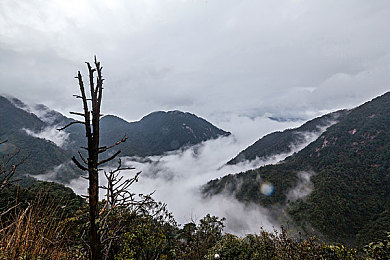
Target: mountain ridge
<point>351,180</point>
<point>154,134</point>
<point>275,143</point>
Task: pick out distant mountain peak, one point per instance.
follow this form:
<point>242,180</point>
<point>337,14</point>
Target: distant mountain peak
<point>160,131</point>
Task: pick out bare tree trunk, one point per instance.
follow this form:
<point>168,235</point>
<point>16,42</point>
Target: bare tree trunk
<point>93,155</point>
<point>92,163</point>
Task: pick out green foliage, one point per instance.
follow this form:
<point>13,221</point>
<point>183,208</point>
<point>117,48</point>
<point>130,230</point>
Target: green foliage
<point>379,249</point>
<point>350,202</point>
<point>146,239</point>
<point>277,246</point>
<point>44,229</point>
<point>197,239</point>
<point>250,247</point>
<point>50,192</point>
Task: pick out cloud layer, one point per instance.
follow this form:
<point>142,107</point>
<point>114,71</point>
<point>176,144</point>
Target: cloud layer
<point>177,177</point>
<point>288,58</point>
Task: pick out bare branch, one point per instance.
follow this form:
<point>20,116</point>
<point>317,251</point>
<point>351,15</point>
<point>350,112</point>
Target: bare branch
<point>87,122</point>
<point>91,81</point>
<point>109,158</point>
<point>105,148</point>
<point>82,158</point>
<point>6,170</point>
<point>71,123</point>
<point>77,96</point>
<point>79,164</point>
<point>77,114</point>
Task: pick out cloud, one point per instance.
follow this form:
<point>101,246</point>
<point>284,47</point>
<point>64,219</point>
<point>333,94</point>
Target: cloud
<point>303,188</point>
<point>286,58</point>
<point>302,139</point>
<point>50,117</point>
<point>177,178</point>
<point>59,138</point>
<point>65,173</point>
<point>218,59</point>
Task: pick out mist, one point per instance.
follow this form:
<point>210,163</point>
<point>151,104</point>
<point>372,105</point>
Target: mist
<point>176,177</point>
<point>303,188</point>
<point>46,115</point>
<point>50,133</point>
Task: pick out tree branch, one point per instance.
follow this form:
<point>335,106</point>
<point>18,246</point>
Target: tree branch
<point>79,164</point>
<point>77,114</point>
<point>109,158</point>
<point>71,123</point>
<point>82,158</point>
<point>105,148</point>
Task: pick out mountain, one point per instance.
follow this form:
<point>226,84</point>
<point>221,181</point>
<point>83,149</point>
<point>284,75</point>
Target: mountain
<point>158,132</point>
<point>40,154</point>
<point>284,142</point>
<point>33,130</point>
<point>339,185</point>
<point>154,134</point>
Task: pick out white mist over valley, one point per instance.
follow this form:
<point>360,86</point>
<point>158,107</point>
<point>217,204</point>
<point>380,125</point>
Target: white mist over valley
<point>176,177</point>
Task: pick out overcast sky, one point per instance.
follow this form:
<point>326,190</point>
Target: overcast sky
<point>214,58</point>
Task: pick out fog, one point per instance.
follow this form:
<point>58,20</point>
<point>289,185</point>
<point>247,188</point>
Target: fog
<point>303,188</point>
<point>59,138</point>
<point>176,177</point>
<point>48,116</point>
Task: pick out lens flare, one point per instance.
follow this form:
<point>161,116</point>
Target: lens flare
<point>267,188</point>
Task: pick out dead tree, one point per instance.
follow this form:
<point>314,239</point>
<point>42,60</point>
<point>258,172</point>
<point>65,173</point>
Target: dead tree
<point>118,198</point>
<point>121,201</point>
<point>8,166</point>
<point>91,117</point>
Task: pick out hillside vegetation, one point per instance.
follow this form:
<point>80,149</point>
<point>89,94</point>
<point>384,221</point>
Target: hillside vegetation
<point>350,168</point>
<point>154,134</point>
<point>48,221</point>
<point>282,142</point>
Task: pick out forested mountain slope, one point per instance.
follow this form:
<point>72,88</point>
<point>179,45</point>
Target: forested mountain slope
<point>30,129</point>
<point>349,166</point>
<point>158,132</point>
<point>283,141</point>
<point>39,154</point>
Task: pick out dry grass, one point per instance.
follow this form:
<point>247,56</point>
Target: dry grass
<point>35,232</point>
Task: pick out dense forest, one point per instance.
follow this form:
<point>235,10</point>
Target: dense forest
<point>349,168</point>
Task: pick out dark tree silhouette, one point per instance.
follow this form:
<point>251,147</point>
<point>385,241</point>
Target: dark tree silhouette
<point>8,166</point>
<point>91,107</point>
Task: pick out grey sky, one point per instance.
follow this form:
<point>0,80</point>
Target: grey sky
<point>284,58</point>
